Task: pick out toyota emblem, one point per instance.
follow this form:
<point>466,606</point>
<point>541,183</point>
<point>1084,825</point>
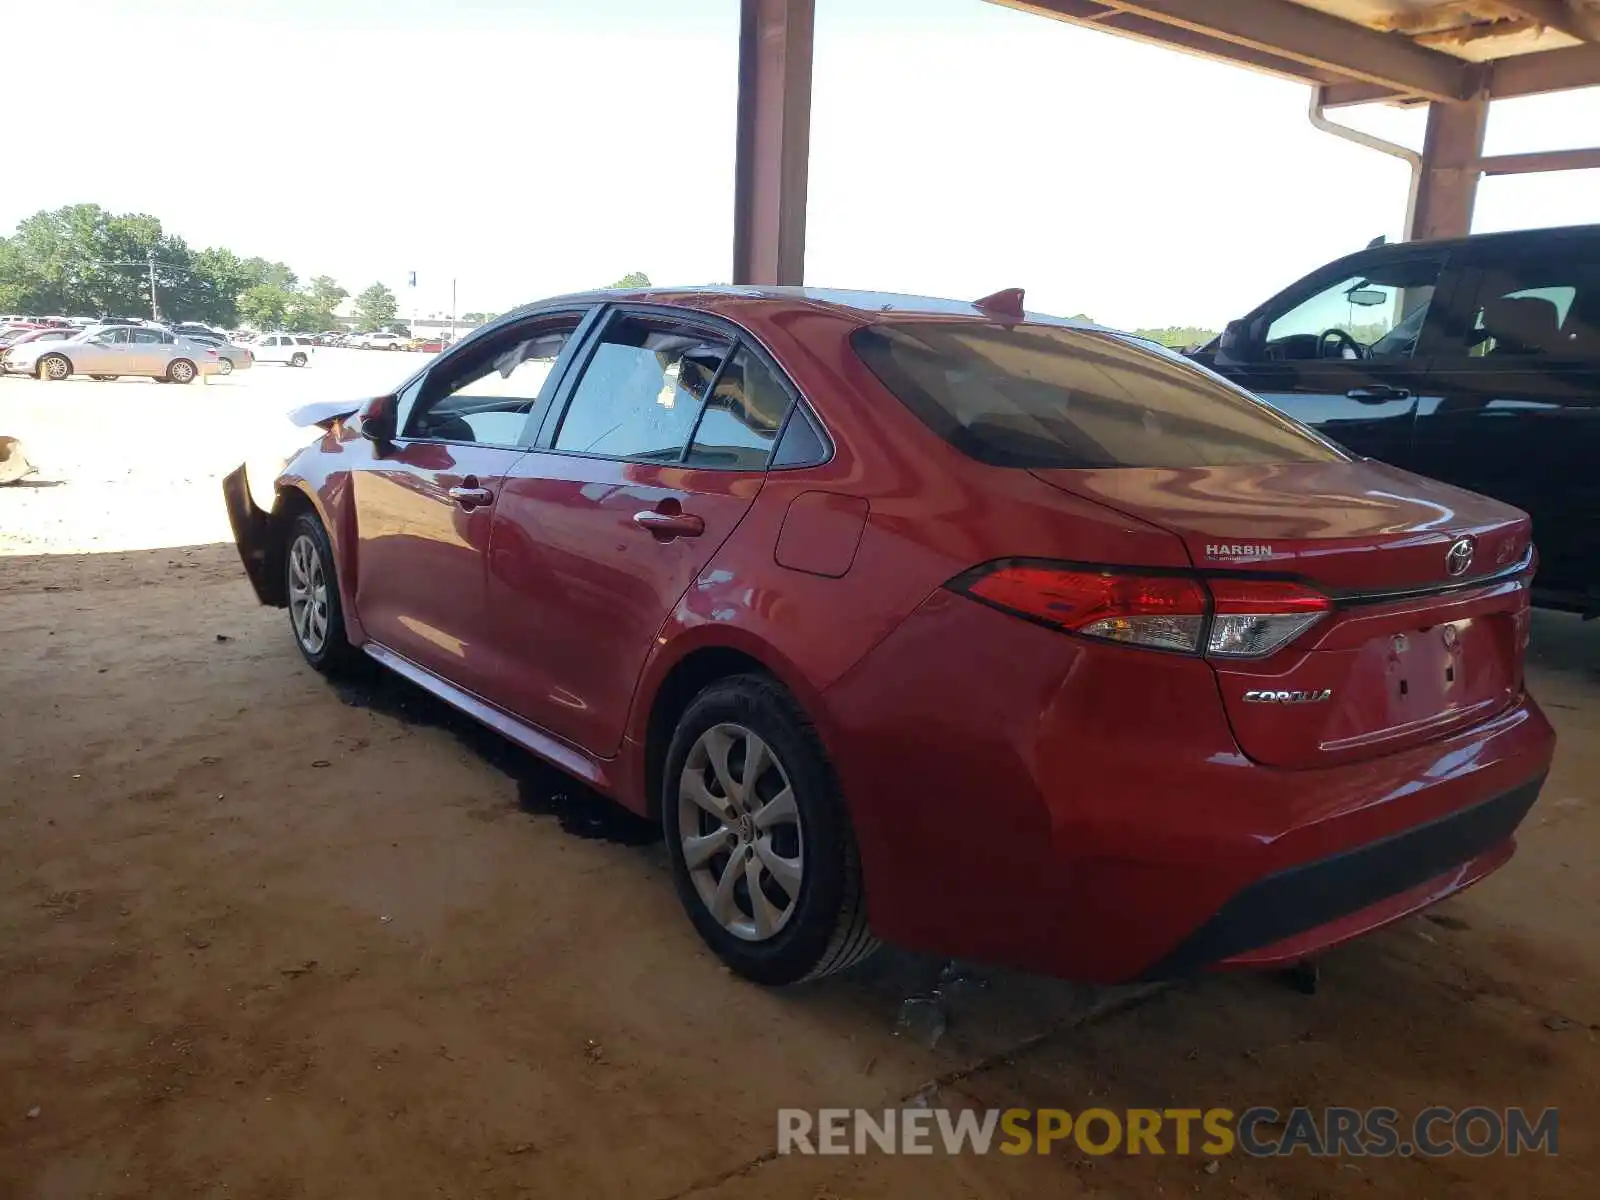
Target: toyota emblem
<point>1459,557</point>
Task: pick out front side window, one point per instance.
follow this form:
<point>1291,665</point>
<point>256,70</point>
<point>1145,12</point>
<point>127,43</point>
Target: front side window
<point>493,394</point>
<point>1536,310</point>
<point>1375,314</point>
<point>641,394</point>
<point>111,337</point>
<point>1050,396</point>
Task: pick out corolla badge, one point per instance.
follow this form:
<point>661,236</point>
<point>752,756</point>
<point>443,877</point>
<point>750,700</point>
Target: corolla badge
<point>1311,696</point>
<point>1459,557</point>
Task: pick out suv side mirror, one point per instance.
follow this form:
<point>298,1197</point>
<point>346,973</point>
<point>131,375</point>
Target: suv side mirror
<point>378,421</point>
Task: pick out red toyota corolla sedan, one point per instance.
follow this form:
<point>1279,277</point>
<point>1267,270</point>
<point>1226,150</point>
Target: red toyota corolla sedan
<point>983,633</point>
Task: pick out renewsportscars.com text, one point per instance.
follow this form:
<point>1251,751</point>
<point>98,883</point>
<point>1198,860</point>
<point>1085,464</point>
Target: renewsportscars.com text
<point>1259,1132</point>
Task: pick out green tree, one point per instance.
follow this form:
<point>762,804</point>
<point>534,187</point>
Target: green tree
<point>326,291</point>
<point>1178,337</point>
<point>263,306</point>
<point>376,308</point>
<point>633,279</point>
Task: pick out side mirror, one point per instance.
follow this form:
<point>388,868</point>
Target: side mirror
<point>378,421</point>
<point>1239,341</point>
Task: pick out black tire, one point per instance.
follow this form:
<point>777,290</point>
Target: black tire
<point>181,370</point>
<point>103,378</point>
<point>46,368</point>
<point>335,655</point>
<point>827,928</point>
<point>299,360</point>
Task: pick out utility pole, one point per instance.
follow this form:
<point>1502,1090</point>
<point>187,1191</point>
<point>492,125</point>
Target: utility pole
<point>150,262</point>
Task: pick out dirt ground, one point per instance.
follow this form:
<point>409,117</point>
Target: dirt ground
<point>265,937</point>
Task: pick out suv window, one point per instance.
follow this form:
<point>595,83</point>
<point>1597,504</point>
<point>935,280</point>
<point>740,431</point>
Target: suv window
<point>1377,313</point>
<point>304,341</point>
<point>494,393</point>
<point>1536,310</point>
<point>741,420</point>
<point>1049,396</point>
<point>641,394</point>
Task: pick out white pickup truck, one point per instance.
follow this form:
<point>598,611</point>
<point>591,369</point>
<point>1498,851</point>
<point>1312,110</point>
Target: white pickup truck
<point>291,348</point>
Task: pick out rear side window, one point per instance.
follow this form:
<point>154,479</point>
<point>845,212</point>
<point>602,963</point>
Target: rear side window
<point>1048,396</point>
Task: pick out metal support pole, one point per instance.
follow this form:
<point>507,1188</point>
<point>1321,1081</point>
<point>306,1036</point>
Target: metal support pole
<point>155,309</point>
<point>1449,179</point>
<point>774,141</point>
<point>1405,154</point>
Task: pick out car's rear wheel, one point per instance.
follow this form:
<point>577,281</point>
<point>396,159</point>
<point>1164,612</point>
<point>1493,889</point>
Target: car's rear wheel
<point>299,360</point>
<point>315,614</point>
<point>225,366</point>
<point>54,367</point>
<point>181,370</point>
<point>762,851</point>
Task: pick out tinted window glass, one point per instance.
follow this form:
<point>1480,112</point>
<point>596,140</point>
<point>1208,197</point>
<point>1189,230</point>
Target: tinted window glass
<point>642,391</point>
<point>1045,396</point>
<point>1537,310</point>
<point>742,417</point>
<point>111,337</point>
<point>492,394</point>
<point>801,445</point>
<point>1372,314</point>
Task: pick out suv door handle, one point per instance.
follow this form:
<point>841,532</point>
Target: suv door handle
<point>470,495</point>
<point>667,521</point>
<point>1377,395</point>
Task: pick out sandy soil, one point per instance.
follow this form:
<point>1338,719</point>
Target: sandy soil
<point>265,937</point>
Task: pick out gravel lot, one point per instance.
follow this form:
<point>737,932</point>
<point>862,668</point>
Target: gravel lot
<point>262,937</point>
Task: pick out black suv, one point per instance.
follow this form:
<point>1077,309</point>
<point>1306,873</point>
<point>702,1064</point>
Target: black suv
<point>1474,360</point>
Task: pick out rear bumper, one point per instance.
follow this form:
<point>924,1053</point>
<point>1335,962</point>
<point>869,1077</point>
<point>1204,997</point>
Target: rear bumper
<point>1304,909</point>
<point>1083,810</point>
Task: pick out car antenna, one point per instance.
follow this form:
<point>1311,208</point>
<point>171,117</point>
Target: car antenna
<point>1006,303</point>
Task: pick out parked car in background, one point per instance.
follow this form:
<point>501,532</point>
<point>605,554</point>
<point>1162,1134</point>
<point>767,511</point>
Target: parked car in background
<point>291,349</point>
<point>1475,361</point>
<point>838,586</point>
<point>378,341</point>
<point>196,329</point>
<point>331,337</point>
<point>231,356</point>
<point>112,351</point>
<point>23,337</point>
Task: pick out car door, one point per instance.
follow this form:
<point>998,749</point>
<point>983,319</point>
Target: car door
<point>1518,413</point>
<point>106,353</point>
<point>424,509</point>
<point>1346,350</point>
<point>657,447</point>
<point>147,352</point>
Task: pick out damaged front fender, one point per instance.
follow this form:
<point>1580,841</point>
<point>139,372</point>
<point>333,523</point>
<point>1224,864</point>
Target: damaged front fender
<point>258,538</point>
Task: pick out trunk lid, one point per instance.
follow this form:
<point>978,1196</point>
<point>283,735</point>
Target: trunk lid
<point>1418,644</point>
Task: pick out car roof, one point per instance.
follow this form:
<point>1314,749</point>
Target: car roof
<point>727,299</point>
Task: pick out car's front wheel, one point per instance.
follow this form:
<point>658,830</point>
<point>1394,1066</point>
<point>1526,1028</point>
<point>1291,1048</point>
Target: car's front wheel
<point>762,851</point>
<point>315,613</point>
<point>54,367</point>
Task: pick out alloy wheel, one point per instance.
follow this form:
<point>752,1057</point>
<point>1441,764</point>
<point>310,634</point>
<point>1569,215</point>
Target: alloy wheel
<point>308,594</point>
<point>740,831</point>
<point>182,372</point>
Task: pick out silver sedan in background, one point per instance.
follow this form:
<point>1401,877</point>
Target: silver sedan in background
<point>112,351</point>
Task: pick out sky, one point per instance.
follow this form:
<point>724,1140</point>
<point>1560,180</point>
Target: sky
<point>524,148</point>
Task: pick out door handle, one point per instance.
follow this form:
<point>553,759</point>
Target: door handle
<point>470,494</point>
<point>668,521</point>
<point>1377,395</point>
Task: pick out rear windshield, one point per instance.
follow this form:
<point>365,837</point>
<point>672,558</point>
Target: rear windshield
<point>1047,396</point>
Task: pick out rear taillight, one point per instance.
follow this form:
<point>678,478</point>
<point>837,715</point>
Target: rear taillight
<point>1253,617</point>
<point>1223,618</point>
